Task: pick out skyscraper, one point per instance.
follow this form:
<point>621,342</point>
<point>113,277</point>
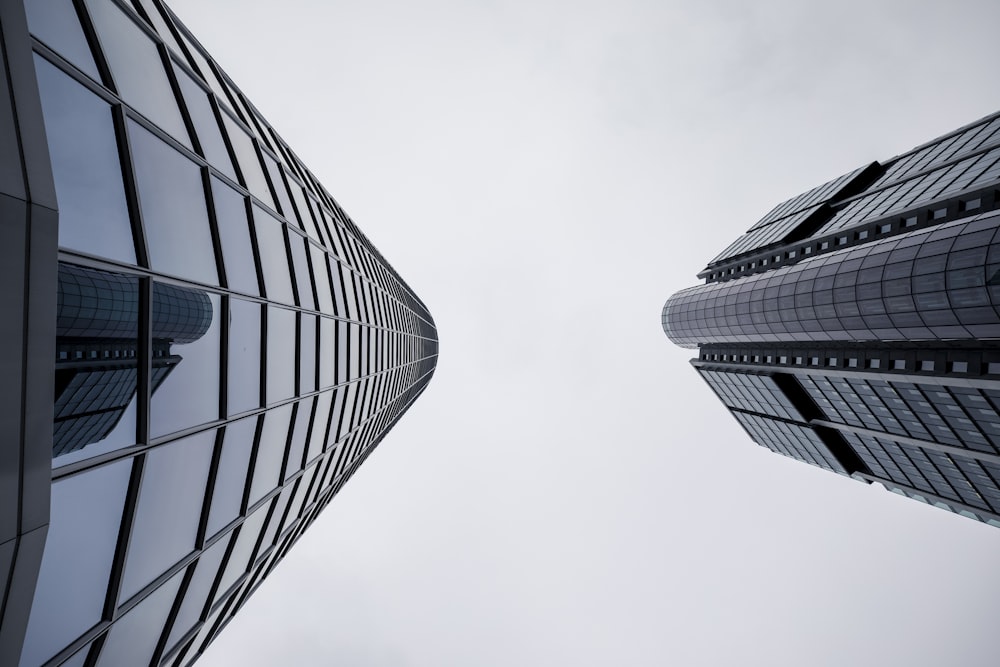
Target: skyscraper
<point>856,326</point>
<point>199,347</point>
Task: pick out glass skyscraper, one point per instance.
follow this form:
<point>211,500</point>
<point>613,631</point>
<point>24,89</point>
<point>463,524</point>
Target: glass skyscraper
<point>199,347</point>
<point>856,326</point>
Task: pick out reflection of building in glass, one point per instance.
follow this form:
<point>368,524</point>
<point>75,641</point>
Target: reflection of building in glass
<point>224,346</point>
<point>97,348</point>
<point>857,326</point>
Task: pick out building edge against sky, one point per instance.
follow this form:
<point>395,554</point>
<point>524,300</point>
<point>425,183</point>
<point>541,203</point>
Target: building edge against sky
<point>856,326</point>
<point>199,345</point>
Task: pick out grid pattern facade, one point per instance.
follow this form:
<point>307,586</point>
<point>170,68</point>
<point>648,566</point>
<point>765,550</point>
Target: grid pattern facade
<point>935,283</point>
<point>230,346</point>
<point>856,327</point>
<point>795,441</point>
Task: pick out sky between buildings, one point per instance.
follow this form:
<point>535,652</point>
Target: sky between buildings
<point>568,491</point>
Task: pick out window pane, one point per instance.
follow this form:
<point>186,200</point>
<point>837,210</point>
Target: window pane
<point>280,354</point>
<point>246,155</point>
<point>234,233</point>
<point>137,69</point>
<point>307,352</point>
<point>206,569</point>
<point>168,510</point>
<point>206,125</point>
<point>327,348</point>
<point>300,433</point>
<point>231,479</point>
<point>56,23</point>
<point>160,25</point>
<point>133,637</point>
<point>244,356</point>
<point>317,434</point>
<point>270,452</point>
<point>93,215</point>
<point>303,281</point>
<point>273,258</point>
<point>97,324</point>
<point>174,211</point>
<point>186,335</point>
<point>83,534</point>
<point>322,280</point>
<point>274,171</point>
<point>239,560</point>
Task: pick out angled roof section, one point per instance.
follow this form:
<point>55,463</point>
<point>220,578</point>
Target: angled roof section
<point>791,215</point>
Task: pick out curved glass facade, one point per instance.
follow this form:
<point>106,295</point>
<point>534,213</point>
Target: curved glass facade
<point>229,347</point>
<point>936,283</point>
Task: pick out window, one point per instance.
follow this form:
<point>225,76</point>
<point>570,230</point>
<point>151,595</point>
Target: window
<point>93,215</point>
<point>174,210</point>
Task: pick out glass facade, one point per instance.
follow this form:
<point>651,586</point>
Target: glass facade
<point>856,327</point>
<point>229,347</point>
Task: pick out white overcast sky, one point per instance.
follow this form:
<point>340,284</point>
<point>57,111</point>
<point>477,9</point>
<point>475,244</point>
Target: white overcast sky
<point>567,491</point>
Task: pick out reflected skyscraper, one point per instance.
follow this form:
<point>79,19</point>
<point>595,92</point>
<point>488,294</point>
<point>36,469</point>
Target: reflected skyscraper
<point>856,326</point>
<point>199,346</point>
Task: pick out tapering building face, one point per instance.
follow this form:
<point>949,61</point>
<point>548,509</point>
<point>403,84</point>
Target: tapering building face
<point>199,346</point>
<point>857,326</point>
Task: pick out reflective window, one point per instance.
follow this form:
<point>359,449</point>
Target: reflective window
<point>56,23</point>
<point>322,280</point>
<point>302,280</point>
<point>300,433</point>
<point>274,524</point>
<point>279,187</point>
<point>244,356</point>
<point>186,335</point>
<point>168,511</point>
<point>231,478</point>
<point>317,434</point>
<point>83,534</point>
<point>239,559</point>
<point>206,125</point>
<point>97,354</point>
<point>93,215</point>
<point>174,213</point>
<point>307,351</point>
<point>300,201</point>
<point>79,658</point>
<point>160,25</point>
<point>133,637</point>
<point>273,257</point>
<point>342,328</point>
<point>137,69</point>
<point>234,234</point>
<point>327,349</point>
<point>338,287</point>
<point>268,469</point>
<point>246,155</point>
<point>280,354</point>
<point>206,569</point>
